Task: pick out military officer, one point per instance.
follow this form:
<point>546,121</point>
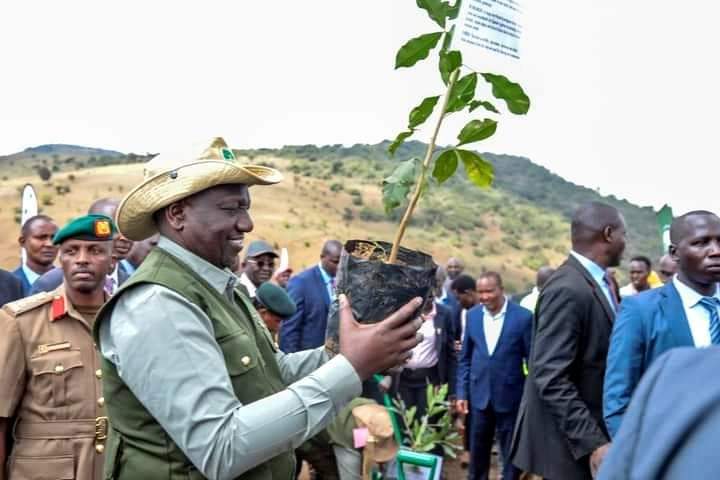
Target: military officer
<point>195,386</point>
<point>49,370</point>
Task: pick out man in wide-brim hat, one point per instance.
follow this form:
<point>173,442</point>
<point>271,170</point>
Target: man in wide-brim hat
<point>194,385</point>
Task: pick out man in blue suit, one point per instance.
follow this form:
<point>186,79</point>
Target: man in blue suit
<point>672,429</point>
<point>490,373</point>
<point>36,237</point>
<point>684,312</point>
<point>312,290</point>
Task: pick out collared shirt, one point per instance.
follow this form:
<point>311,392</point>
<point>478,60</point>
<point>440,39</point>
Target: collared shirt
<point>425,354</point>
<point>129,267</point>
<point>697,315</point>
<point>329,282</point>
<point>493,325</point>
<point>597,273</point>
<point>188,390</point>
<point>30,274</point>
<point>248,284</point>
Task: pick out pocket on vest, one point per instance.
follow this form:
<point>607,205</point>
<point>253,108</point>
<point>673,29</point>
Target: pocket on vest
<point>240,352</point>
<point>43,468</point>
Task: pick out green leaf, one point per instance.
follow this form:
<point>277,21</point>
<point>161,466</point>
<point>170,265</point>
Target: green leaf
<point>445,165</point>
<point>462,93</point>
<point>452,11</point>
<point>397,186</point>
<point>402,136</point>
<point>477,130</point>
<point>479,171</point>
<point>436,10</point>
<point>449,61</point>
<point>419,114</point>
<point>515,98</point>
<point>485,104</point>
<point>416,49</point>
<point>447,39</point>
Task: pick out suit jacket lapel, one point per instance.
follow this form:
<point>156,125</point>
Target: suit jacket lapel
<point>504,331</point>
<point>480,326</point>
<point>674,313</point>
<point>321,282</point>
<point>597,291</point>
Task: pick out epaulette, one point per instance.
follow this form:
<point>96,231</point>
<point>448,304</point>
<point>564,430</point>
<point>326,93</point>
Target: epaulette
<point>26,304</point>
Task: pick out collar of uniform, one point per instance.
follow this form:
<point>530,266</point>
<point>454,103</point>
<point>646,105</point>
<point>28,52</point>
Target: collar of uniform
<point>688,296</point>
<point>220,280</point>
<point>62,306</point>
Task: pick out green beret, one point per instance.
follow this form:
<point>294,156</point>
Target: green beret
<point>275,299</point>
<point>97,228</point>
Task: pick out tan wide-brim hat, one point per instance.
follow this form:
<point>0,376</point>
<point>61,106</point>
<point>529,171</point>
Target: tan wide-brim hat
<point>172,177</point>
<point>376,419</point>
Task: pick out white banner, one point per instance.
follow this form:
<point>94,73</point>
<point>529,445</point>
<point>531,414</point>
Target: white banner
<point>28,209</point>
<point>488,33</point>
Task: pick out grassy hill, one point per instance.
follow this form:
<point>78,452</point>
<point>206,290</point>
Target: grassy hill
<point>333,192</point>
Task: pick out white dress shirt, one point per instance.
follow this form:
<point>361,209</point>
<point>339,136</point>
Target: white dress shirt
<point>697,315</point>
<point>493,325</point>
<point>248,284</point>
<point>425,354</point>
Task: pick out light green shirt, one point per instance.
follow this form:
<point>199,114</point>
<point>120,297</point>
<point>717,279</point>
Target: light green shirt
<point>164,349</point>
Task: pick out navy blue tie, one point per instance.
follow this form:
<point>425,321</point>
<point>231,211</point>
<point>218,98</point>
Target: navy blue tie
<point>711,305</point>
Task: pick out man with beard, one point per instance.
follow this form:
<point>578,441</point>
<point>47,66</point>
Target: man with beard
<point>682,313</point>
<point>36,237</point>
<point>560,432</point>
<point>195,387</point>
<point>50,372</point>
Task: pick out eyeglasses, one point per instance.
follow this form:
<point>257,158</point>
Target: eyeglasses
<point>262,263</point>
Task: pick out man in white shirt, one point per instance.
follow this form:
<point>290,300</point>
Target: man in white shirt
<point>542,276</point>
<point>490,373</point>
<point>640,268</point>
<point>684,312</point>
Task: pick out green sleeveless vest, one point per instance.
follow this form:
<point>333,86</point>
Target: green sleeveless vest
<point>138,447</point>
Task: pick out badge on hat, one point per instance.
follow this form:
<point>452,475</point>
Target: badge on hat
<point>227,154</point>
<point>102,228</point>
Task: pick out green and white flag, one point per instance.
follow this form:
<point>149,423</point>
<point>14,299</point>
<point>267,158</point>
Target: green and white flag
<point>664,219</point>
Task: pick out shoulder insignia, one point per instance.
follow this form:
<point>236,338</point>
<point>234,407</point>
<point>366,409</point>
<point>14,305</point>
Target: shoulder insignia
<point>26,304</point>
<point>58,307</point>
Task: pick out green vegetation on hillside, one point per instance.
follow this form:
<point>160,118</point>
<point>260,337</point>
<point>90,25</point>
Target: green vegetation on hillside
<point>523,191</point>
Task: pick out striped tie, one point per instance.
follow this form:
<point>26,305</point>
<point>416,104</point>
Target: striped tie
<point>711,305</point>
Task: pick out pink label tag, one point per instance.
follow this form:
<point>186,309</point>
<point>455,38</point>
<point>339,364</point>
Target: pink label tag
<point>360,436</point>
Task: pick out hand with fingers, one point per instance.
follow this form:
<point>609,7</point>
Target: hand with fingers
<point>377,347</point>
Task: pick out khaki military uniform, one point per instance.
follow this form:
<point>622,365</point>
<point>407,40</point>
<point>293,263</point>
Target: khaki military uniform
<point>50,383</point>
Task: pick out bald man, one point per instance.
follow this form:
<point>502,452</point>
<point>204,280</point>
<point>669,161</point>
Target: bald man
<point>679,314</point>
<point>560,433</point>
<point>666,268</point>
<point>312,290</point>
<point>541,278</point>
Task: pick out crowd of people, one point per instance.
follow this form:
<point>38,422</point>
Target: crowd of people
<point>146,340</point>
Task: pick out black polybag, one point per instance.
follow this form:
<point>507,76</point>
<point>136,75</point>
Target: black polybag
<point>377,289</point>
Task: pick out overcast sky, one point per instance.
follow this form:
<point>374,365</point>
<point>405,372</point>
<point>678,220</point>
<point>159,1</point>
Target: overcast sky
<point>624,94</point>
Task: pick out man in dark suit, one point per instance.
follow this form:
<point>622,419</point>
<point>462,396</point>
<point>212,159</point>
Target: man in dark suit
<point>674,315</point>
<point>312,290</point>
<point>671,430</point>
<point>10,288</point>
<point>560,433</point>
<point>36,237</point>
<point>490,373</point>
<point>433,361</point>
